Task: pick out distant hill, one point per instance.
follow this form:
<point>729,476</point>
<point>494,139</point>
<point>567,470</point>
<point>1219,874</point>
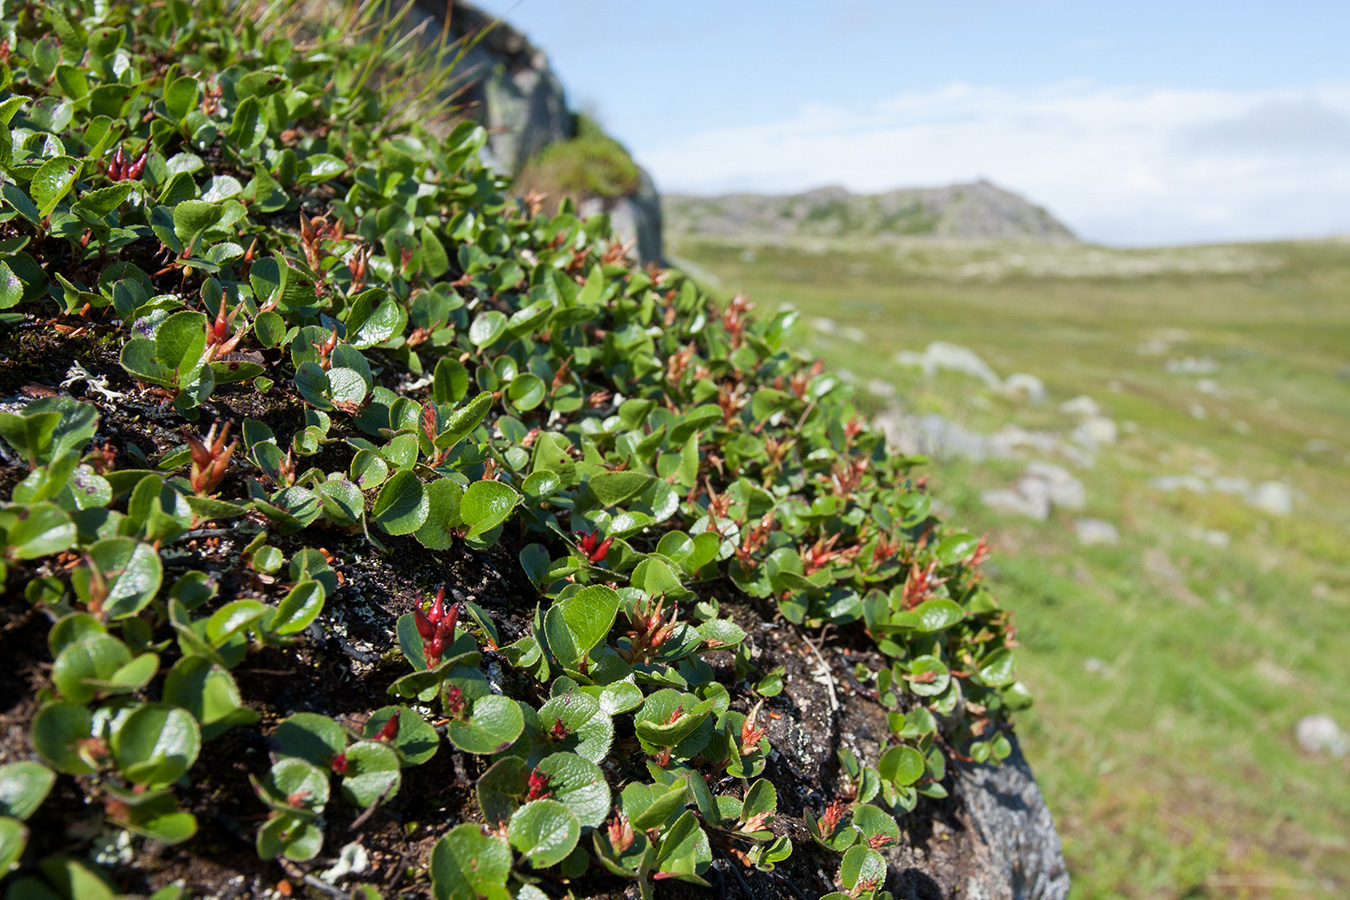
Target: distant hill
<point>977,211</point>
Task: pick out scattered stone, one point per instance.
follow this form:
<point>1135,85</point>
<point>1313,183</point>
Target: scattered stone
<point>1093,532</point>
<point>1059,487</point>
<point>1016,503</point>
<point>1230,485</point>
<point>1190,365</point>
<point>1082,405</point>
<point>1095,431</point>
<point>1096,666</point>
<point>1211,387</point>
<point>1198,411</point>
<point>1028,387</point>
<point>856,335</point>
<point>953,358</point>
<point>1171,483</point>
<point>1212,536</point>
<point>879,388</point>
<point>1321,735</point>
<point>1272,497</point>
<point>1152,347</point>
<point>824,325</point>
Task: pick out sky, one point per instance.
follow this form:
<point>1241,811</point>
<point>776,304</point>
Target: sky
<point>1135,123</point>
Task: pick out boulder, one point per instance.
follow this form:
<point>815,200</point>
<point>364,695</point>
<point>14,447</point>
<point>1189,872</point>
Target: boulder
<point>1272,497</point>
<point>955,358</point>
<point>1092,532</point>
<point>635,218</point>
<point>1322,736</point>
<point>1095,431</point>
<point>1027,387</point>
<point>1082,405</point>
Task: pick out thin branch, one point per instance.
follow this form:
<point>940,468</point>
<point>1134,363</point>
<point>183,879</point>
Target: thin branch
<point>824,670</point>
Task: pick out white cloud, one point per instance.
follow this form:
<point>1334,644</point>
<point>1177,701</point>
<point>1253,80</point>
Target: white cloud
<point>1117,164</point>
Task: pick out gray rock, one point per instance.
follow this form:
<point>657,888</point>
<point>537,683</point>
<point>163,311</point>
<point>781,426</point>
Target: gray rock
<point>1055,483</point>
<point>1028,387</point>
<point>635,219</point>
<point>878,388</point>
<point>1092,532</point>
<point>1321,735</point>
<point>1036,506</point>
<point>1272,497</point>
<point>955,358</point>
<point>1082,405</point>
<point>1190,365</point>
<point>1171,483</point>
<point>1095,431</point>
<point>1025,859</point>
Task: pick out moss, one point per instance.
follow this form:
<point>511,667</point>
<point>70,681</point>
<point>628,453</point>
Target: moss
<point>592,164</point>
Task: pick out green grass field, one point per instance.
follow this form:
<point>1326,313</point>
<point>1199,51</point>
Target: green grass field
<point>1169,672</point>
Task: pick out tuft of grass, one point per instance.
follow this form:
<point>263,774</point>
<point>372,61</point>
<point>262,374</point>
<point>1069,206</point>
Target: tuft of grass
<point>590,165</point>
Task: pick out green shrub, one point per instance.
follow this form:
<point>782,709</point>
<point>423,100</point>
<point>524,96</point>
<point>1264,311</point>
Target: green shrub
<point>592,164</point>
<point>646,456</point>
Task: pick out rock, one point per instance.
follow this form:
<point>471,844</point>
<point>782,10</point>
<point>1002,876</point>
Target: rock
<point>955,358</point>
<point>1082,405</point>
<point>1230,485</point>
<point>824,325</point>
<point>1190,365</point>
<point>1054,483</point>
<point>1212,536</point>
<point>1017,503</point>
<point>1028,387</point>
<point>878,388</point>
<point>1096,666</point>
<point>1272,497</point>
<point>508,84</point>
<point>1321,735</point>
<point>930,435</point>
<point>1171,483</point>
<point>1092,532</point>
<point>637,218</point>
<point>1095,431</point>
<point>1025,859</point>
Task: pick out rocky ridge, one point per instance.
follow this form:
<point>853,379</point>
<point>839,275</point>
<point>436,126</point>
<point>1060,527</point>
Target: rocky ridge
<point>975,211</point>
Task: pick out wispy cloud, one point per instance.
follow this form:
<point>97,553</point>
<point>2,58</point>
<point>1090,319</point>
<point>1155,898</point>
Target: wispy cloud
<point>1117,164</point>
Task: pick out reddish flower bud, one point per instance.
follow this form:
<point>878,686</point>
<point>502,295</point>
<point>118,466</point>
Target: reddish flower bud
<point>424,626</point>
<point>453,702</point>
<point>338,764</point>
<point>390,729</point>
<point>599,554</point>
<point>559,731</point>
<point>538,786</point>
<point>437,611</point>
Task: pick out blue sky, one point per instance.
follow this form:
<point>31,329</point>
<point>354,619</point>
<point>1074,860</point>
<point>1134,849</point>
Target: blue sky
<point>1136,123</point>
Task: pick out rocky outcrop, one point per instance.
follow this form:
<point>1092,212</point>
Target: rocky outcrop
<point>508,84</point>
<point>977,211</point>
<point>510,88</point>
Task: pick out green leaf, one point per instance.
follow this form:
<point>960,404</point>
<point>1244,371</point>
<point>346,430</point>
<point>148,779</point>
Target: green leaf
<point>13,839</point>
<point>487,328</point>
<point>58,731</point>
<point>998,669</point>
<point>156,744</point>
<point>578,784</point>
<point>545,831</point>
<point>11,288</point>
<point>248,128</point>
<point>463,421</point>
<point>133,572</point>
<point>301,605</point>
<point>311,737</point>
<point>929,676</point>
<point>180,97</point>
<point>935,615</point>
<point>450,381</point>
<point>53,181</point>
<point>495,724</point>
<point>589,615</point>
<point>193,217</point>
<point>467,864</point>
<point>23,787</point>
<point>862,865</point>
<point>36,531</point>
<point>402,504</point>
<point>375,317</point>
<point>526,391</point>
<point>104,200</point>
<point>416,740</point>
<point>209,692</point>
<point>902,765</point>
<point>613,488</point>
<point>372,773</point>
<point>290,835</point>
<point>443,500</point>
<point>96,657</point>
<point>485,505</point>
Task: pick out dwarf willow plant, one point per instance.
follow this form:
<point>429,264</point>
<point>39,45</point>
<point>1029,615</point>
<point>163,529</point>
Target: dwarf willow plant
<point>222,207</point>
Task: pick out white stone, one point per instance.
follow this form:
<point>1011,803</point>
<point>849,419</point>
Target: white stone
<point>880,388</point>
<point>955,358</point>
<point>1180,482</point>
<point>1092,532</point>
<point>1018,504</point>
<point>1272,497</point>
<point>1028,387</point>
<point>1082,405</point>
<point>1096,431</point>
<point>1227,484</point>
<point>1191,365</point>
<point>824,325</point>
<point>1096,666</point>
<point>1321,734</point>
<point>1053,482</point>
